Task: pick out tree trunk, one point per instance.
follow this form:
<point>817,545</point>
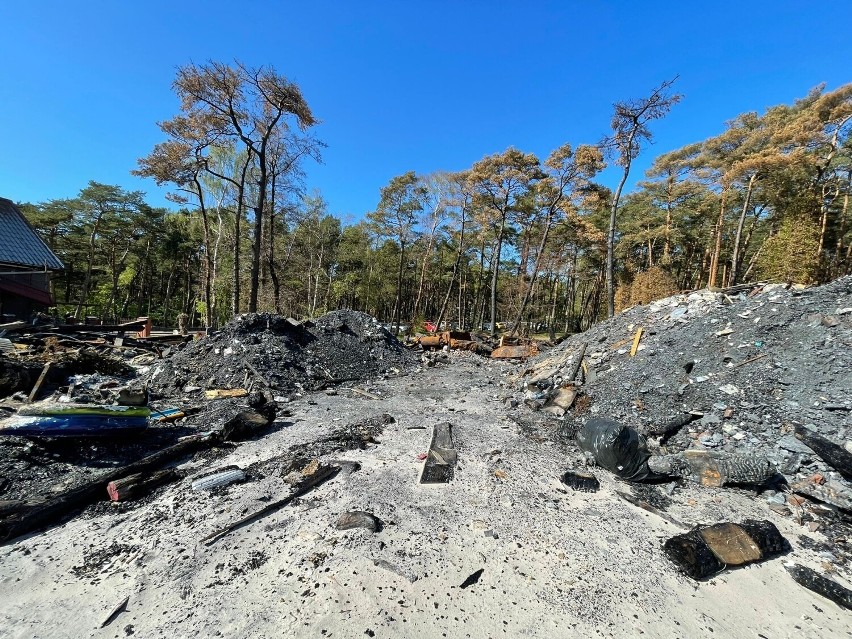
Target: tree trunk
<point>494,275</point>
<point>668,232</point>
<point>610,242</point>
<point>528,288</point>
<point>551,321</point>
<point>735,257</point>
<point>398,299</point>
<point>84,294</point>
<point>276,287</point>
<point>844,212</point>
<point>459,254</point>
<point>258,230</point>
<point>717,249</point>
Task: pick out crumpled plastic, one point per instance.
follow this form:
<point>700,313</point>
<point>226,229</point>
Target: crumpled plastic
<point>617,448</point>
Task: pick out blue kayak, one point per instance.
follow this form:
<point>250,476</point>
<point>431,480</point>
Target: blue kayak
<point>71,425</point>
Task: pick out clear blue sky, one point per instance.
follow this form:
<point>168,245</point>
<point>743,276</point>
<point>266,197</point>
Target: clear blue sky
<point>399,86</point>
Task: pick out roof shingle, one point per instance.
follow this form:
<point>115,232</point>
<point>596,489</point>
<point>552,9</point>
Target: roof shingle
<point>20,244</point>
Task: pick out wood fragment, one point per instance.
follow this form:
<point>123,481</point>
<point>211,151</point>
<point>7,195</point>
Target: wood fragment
<point>620,343</point>
<point>579,362</point>
<point>362,392</point>
<point>323,474</point>
<point>50,511</point>
<point>244,425</point>
<point>14,326</point>
<point>636,339</point>
<point>673,425</point>
<point>472,579</point>
<point>38,383</point>
<point>644,505</point>
<point>116,611</point>
<point>714,469</point>
<point>582,481</point>
<point>258,375</point>
<point>439,466</point>
<point>832,454</point>
<point>222,393</point>
<point>815,582</point>
<point>521,351</point>
<point>563,398</point>
<point>139,484</point>
<point>750,360</point>
<point>706,550</point>
<point>827,493</point>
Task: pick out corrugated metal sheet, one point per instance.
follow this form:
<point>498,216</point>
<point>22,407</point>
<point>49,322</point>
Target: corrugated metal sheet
<point>20,244</point>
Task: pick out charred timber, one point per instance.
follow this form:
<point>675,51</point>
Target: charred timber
<point>830,453</point>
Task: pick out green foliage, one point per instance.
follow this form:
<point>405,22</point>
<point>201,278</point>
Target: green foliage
<point>791,254</point>
<point>767,198</point>
<point>647,286</point>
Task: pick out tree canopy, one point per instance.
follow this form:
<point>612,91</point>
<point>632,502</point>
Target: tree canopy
<point>511,242</point>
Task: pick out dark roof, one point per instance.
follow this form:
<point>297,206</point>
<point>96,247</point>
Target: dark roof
<point>20,244</point>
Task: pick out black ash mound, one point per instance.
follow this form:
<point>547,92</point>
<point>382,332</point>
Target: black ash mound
<point>339,346</point>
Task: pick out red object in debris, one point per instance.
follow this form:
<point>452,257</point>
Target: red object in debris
<point>431,327</point>
<point>146,329</point>
<point>422,456</point>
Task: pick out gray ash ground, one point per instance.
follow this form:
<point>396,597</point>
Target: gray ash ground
<point>339,346</point>
<point>552,562</point>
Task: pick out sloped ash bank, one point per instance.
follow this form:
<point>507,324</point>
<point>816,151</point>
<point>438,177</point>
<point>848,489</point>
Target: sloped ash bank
<point>755,364</point>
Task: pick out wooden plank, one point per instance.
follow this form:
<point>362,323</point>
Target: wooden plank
<point>440,463</point>
<point>832,454</point>
<point>823,586</point>
<point>38,383</point>
<point>121,607</point>
<point>514,352</point>
<point>579,362</point>
<point>620,343</point>
<point>363,393</point>
<point>323,474</point>
<point>14,326</point>
<point>221,393</point>
<point>749,361</point>
<point>636,339</point>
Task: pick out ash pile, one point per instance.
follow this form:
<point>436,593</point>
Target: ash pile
<point>744,387</point>
<point>284,355</point>
<point>748,366</point>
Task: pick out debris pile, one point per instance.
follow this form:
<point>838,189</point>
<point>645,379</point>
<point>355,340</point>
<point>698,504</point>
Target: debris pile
<point>745,387</point>
<point>265,350</point>
<point>102,435</point>
<point>713,371</point>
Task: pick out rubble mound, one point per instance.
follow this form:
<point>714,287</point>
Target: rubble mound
<point>340,346</point>
<point>749,364</point>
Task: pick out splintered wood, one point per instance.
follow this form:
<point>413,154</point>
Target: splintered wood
<point>440,463</point>
<point>222,393</point>
<point>39,382</point>
<point>636,339</point>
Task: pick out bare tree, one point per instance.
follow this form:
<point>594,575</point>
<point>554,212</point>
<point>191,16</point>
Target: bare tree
<point>629,130</point>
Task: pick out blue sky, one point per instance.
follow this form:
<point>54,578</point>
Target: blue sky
<point>398,86</point>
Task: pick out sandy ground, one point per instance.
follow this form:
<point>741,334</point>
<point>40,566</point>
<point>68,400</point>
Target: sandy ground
<point>555,563</point>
